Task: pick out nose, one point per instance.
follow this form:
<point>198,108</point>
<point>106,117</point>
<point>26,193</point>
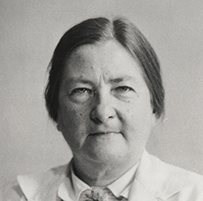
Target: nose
<point>103,110</point>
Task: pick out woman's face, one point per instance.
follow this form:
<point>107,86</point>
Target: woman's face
<point>104,104</point>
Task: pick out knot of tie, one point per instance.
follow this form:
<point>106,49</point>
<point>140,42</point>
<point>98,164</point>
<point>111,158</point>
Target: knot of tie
<point>99,194</point>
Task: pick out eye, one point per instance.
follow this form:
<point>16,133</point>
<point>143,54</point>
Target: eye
<point>81,95</point>
<point>81,91</point>
<point>123,89</point>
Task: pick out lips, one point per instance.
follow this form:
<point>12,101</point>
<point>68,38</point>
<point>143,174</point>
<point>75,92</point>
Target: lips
<point>105,133</point>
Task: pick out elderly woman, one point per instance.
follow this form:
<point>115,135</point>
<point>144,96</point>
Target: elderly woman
<point>105,94</point>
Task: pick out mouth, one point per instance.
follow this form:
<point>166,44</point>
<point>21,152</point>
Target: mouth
<point>105,133</point>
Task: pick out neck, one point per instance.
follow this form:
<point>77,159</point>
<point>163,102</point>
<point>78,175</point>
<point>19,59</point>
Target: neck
<point>100,173</point>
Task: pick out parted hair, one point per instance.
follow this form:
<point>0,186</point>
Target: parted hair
<point>96,31</point>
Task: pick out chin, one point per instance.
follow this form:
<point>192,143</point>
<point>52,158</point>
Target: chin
<point>107,154</point>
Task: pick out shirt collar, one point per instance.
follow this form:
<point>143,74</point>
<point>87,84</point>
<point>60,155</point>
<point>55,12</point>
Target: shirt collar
<point>120,187</point>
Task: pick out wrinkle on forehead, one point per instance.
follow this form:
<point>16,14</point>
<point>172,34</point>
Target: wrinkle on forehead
<point>105,61</point>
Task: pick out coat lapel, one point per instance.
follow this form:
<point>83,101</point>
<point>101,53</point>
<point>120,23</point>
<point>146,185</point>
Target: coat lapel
<point>155,180</point>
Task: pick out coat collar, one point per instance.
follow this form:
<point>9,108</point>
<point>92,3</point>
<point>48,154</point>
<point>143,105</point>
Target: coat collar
<point>44,186</point>
<point>154,181</point>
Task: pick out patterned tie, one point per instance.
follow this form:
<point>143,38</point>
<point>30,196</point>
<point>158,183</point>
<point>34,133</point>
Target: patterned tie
<point>99,194</point>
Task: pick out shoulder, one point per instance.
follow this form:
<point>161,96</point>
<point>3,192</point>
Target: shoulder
<point>167,181</point>
<point>28,185</point>
<point>190,184</point>
<point>176,172</point>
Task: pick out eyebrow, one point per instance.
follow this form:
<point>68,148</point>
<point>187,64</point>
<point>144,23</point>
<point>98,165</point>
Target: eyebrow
<point>73,79</point>
<point>121,79</point>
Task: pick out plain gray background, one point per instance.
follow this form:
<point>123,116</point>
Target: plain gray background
<point>29,32</point>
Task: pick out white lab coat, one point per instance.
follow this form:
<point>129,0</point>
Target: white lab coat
<point>154,181</point>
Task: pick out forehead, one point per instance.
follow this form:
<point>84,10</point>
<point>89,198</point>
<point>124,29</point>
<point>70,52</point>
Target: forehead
<point>109,58</point>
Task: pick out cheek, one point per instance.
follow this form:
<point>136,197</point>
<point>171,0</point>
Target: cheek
<point>73,125</point>
<point>74,119</point>
<point>71,115</point>
<point>137,119</point>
